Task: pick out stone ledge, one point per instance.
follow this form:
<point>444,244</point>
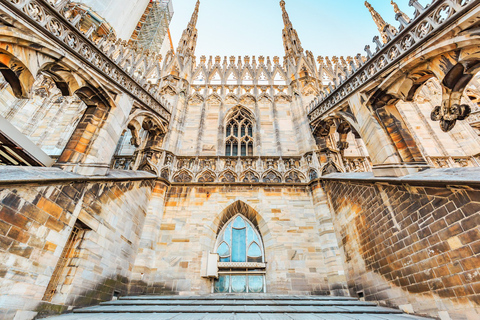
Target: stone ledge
<point>10,175</point>
<point>431,177</point>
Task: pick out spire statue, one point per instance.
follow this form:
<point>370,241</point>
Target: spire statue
<point>291,41</point>
<point>188,41</point>
<point>380,22</point>
<point>398,11</point>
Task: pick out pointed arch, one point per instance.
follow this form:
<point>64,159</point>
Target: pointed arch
<point>263,78</point>
<point>239,206</point>
<point>250,176</point>
<point>165,174</point>
<point>195,98</point>
<point>279,77</point>
<point>233,247</point>
<point>247,76</point>
<point>239,132</point>
<point>168,89</point>
<point>247,98</point>
<point>283,98</point>
<point>183,175</point>
<point>207,175</point>
<point>214,99</point>
<point>228,176</point>
<point>272,176</point>
<point>16,74</point>
<point>199,77</point>
<point>215,77</point>
<point>231,77</point>
<point>294,176</point>
<point>265,96</point>
<point>232,98</point>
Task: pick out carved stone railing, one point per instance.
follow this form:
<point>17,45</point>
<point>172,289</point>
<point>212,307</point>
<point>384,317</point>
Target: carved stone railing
<point>357,164</point>
<point>122,65</point>
<point>123,162</point>
<point>428,20</point>
<point>454,162</point>
<point>239,169</point>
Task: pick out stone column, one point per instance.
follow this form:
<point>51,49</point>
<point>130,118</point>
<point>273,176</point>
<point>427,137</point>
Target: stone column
<point>144,269</point>
<point>93,142</point>
<point>381,143</point>
<point>332,256</point>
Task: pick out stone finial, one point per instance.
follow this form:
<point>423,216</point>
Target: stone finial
<point>232,60</point>
<point>246,59</point>
<point>217,59</point>
<point>276,60</point>
<point>203,59</point>
<point>261,60</point>
<point>419,9</point>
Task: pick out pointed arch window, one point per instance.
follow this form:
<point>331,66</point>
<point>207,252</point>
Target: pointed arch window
<point>239,134</point>
<point>242,259</point>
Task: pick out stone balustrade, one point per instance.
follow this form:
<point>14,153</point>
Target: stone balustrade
<point>122,64</point>
<point>428,20</point>
<point>454,162</point>
<point>357,164</point>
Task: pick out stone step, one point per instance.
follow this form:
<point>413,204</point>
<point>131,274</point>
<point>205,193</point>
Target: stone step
<point>237,307</point>
<point>232,302</point>
<point>237,297</point>
<point>235,316</point>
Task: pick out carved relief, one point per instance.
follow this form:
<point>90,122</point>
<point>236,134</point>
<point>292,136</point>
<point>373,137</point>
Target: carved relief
<point>272,177</point>
<point>250,177</point>
<point>183,176</point>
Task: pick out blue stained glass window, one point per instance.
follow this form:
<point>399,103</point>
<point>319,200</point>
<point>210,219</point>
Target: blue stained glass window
<point>239,242</point>
<point>239,245</point>
<point>239,223</point>
<point>227,236</point>
<point>223,250</point>
<point>239,284</point>
<point>222,285</point>
<point>255,284</point>
<point>254,250</point>
<point>252,236</point>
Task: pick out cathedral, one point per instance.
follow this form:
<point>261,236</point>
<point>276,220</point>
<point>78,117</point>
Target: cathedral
<point>135,184</point>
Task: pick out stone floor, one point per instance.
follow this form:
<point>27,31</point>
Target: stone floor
<point>238,307</point>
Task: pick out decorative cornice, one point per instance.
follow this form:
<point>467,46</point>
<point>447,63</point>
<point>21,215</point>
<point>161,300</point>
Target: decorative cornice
<point>428,22</point>
<point>50,21</point>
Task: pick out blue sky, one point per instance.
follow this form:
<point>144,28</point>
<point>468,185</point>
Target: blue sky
<point>254,27</point>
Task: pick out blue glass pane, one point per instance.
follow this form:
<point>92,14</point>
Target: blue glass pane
<point>254,250</point>
<point>255,284</point>
<point>226,259</point>
<point>223,250</point>
<point>239,246</point>
<point>227,235</point>
<point>239,284</point>
<point>222,284</point>
<point>252,236</point>
<point>239,223</point>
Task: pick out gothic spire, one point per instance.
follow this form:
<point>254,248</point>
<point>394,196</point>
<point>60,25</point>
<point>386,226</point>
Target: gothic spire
<point>398,11</point>
<point>291,41</point>
<point>381,24</point>
<point>188,41</point>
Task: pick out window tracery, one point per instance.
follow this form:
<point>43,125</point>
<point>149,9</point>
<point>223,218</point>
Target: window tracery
<point>238,245</point>
<point>239,134</point>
